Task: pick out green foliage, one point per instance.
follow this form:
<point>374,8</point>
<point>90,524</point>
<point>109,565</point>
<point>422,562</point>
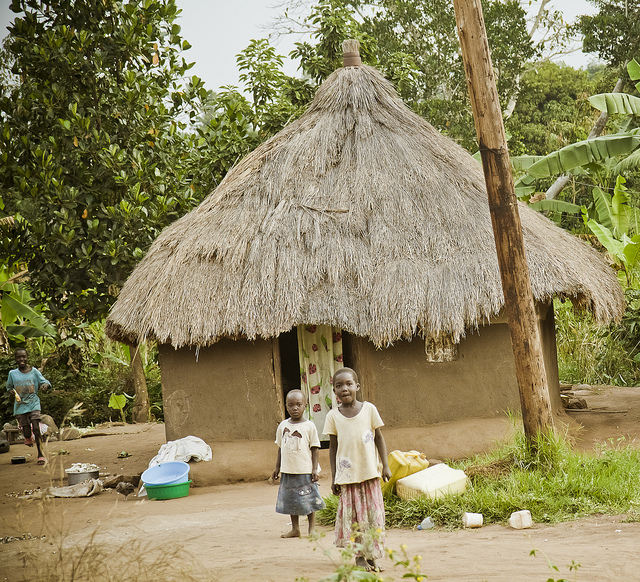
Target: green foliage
<point>552,109</point>
<point>16,314</point>
<point>225,134</point>
<point>103,372</point>
<point>573,567</point>
<point>590,353</point>
<point>332,22</point>
<point>599,160</point>
<point>277,98</point>
<point>118,402</point>
<point>433,81</point>
<point>95,158</point>
<point>613,33</point>
<point>348,571</point>
<point>582,154</point>
<point>630,327</point>
<point>616,103</point>
<point>612,230</point>
<point>552,482</point>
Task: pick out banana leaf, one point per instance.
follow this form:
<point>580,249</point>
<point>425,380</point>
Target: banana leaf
<point>629,164</point>
<point>556,206</point>
<point>615,247</point>
<point>632,251</point>
<point>602,201</point>
<point>582,153</point>
<point>620,208</point>
<point>523,163</point>
<point>634,71</point>
<point>25,312</point>
<point>117,401</point>
<point>26,331</point>
<point>612,103</point>
<point>524,192</point>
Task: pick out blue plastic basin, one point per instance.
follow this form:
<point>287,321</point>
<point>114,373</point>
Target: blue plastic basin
<point>166,473</point>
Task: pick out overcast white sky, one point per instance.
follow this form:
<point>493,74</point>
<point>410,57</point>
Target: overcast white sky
<point>219,29</point>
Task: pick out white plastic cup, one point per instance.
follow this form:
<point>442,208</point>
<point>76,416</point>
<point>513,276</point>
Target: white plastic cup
<point>427,523</point>
<point>521,519</point>
<point>472,519</point>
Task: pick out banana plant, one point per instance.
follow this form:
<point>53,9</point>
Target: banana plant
<point>613,227</point>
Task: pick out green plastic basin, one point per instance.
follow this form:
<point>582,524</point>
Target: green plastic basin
<point>168,491</point>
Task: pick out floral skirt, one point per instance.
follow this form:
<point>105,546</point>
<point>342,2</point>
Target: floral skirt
<point>360,518</point>
<point>298,495</point>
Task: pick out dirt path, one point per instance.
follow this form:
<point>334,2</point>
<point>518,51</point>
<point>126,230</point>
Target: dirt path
<point>231,532</point>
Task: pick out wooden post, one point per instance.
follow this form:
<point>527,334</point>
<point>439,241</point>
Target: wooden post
<point>516,285</point>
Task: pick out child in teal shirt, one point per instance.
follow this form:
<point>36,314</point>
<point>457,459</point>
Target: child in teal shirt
<point>25,382</point>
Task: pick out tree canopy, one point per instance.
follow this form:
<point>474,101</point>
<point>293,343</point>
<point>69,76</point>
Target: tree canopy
<point>96,157</point>
<point>613,32</point>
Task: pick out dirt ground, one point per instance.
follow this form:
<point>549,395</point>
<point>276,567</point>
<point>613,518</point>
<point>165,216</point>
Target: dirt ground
<point>231,533</point>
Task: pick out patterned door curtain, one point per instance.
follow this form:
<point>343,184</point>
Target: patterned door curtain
<point>320,355</point>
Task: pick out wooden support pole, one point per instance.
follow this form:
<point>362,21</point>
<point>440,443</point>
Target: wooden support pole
<point>516,285</point>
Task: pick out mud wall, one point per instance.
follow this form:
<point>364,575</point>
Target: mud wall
<point>226,392</point>
<point>232,390</point>
<point>409,391</point>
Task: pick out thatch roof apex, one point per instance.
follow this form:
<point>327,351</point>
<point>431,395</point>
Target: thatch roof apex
<point>360,215</point>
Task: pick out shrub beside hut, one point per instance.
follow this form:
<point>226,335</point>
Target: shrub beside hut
<point>358,235</point>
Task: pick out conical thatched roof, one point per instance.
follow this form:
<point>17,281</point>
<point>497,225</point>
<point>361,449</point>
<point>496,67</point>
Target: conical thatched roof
<point>359,215</point>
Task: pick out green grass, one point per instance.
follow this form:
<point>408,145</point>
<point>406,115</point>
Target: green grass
<point>555,484</point>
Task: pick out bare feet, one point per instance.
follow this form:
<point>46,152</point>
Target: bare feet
<point>362,563</point>
<point>294,533</point>
<point>374,567</point>
<point>312,523</point>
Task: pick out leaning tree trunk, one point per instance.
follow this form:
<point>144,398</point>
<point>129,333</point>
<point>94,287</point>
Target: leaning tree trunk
<point>140,409</point>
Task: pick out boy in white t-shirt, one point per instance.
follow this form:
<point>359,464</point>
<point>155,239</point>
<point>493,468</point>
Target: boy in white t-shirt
<point>299,444</point>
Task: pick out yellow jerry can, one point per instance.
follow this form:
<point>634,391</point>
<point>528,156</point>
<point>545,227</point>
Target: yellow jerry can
<point>403,464</point>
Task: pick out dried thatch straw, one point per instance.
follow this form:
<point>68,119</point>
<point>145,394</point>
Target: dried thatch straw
<point>359,215</point>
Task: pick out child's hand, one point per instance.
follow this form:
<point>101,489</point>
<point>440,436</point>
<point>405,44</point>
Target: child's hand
<point>275,475</point>
<point>335,488</point>
<point>386,473</point>
<point>314,476</point>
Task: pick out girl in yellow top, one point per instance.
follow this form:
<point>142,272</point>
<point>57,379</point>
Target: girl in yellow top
<point>355,441</point>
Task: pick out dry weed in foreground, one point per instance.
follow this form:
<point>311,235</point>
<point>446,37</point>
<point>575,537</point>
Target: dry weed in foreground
<point>57,557</point>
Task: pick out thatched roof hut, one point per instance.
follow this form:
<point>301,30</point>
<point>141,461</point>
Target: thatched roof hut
<point>360,218</point>
<point>360,215</point>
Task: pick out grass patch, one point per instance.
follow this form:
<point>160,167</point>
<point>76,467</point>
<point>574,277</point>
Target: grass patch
<point>56,555</point>
<point>591,353</point>
<point>553,482</point>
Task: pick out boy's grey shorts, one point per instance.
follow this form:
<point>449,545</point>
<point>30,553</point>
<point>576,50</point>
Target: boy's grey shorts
<point>27,418</point>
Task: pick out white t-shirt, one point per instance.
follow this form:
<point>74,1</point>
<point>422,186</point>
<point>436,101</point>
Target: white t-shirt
<point>356,457</point>
<point>295,440</point>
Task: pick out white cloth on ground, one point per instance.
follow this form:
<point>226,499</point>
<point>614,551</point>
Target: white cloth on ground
<point>184,449</point>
